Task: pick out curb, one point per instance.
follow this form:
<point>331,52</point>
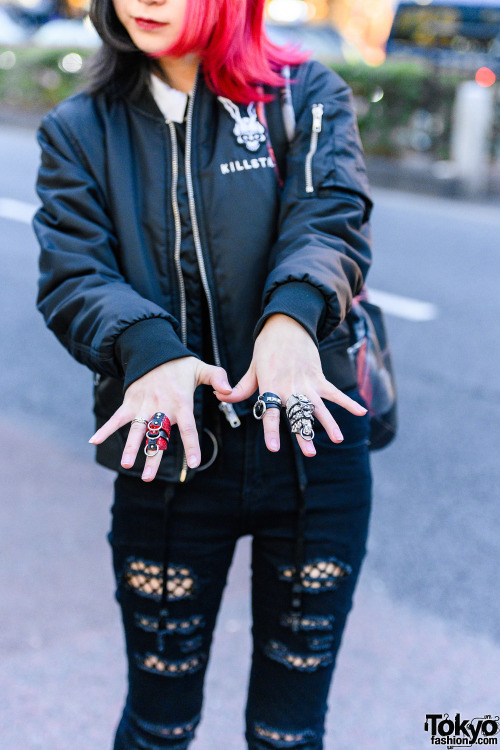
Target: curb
<point>427,178</point>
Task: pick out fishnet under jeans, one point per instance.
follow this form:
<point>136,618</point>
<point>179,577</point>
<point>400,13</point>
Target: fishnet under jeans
<point>247,491</point>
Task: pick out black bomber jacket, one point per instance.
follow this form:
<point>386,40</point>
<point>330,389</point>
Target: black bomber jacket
<point>113,258</point>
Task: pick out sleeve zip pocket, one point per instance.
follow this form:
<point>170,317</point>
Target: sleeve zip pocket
<point>317,124</point>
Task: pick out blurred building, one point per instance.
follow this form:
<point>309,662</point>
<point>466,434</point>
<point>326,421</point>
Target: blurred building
<point>365,23</point>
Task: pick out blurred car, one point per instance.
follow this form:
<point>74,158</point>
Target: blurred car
<point>33,14</point>
<point>10,31</point>
<point>447,33</point>
<point>324,41</point>
<point>66,33</point>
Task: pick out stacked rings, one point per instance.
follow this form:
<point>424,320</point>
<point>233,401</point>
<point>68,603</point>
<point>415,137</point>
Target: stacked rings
<point>264,402</point>
<point>299,411</point>
<point>158,434</point>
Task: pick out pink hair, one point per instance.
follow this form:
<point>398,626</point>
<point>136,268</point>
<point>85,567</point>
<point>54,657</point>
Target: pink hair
<point>237,54</point>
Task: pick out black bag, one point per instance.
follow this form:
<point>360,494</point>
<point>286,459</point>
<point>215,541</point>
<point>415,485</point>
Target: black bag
<point>370,350</point>
<point>375,374</point>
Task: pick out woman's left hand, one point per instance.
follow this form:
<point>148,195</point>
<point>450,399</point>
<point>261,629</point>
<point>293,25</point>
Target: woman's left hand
<point>285,361</point>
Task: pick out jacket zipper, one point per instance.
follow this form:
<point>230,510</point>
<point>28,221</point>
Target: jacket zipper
<point>177,223</point>
<point>177,255</point>
<point>317,123</point>
<point>227,409</point>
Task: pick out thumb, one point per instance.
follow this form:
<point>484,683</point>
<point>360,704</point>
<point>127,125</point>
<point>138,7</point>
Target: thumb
<point>216,377</point>
<point>242,390</point>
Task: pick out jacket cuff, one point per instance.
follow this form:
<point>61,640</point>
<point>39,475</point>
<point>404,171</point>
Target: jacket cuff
<point>145,345</point>
<point>300,301</point>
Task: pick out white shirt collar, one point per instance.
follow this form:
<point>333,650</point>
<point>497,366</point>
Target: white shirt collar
<point>171,102</point>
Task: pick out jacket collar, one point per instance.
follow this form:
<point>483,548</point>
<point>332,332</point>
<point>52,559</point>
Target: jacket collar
<point>143,100</point>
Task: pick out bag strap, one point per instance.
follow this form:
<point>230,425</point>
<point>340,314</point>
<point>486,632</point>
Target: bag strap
<point>280,116</point>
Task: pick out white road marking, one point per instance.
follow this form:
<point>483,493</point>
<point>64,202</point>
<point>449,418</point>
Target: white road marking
<point>403,307</point>
<point>17,210</point>
<point>392,304</point>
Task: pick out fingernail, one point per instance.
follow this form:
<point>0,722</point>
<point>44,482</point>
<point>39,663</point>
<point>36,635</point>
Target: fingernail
<point>310,450</point>
<point>226,386</point>
<point>274,445</point>
<point>92,439</point>
<point>147,472</point>
<point>362,409</point>
<point>339,436</point>
<point>192,462</point>
<point>127,460</point>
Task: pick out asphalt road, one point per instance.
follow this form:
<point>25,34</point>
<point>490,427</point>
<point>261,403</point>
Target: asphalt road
<point>424,636</point>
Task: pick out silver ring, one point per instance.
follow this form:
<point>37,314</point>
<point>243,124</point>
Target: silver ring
<point>299,402</point>
<point>299,411</point>
<point>264,402</point>
<point>303,427</point>
<point>140,420</point>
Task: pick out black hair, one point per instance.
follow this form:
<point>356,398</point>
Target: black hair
<point>118,67</point>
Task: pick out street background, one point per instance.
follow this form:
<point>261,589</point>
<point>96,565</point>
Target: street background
<point>424,636</point>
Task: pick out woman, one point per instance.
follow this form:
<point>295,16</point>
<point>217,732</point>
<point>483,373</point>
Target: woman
<point>174,254</point>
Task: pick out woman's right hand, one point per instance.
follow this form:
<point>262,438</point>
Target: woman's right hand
<point>168,388</point>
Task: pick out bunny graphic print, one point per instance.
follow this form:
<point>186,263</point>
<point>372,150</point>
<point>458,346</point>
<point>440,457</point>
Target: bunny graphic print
<point>248,131</point>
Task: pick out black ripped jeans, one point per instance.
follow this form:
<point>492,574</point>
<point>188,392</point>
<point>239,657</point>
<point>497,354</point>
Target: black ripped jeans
<point>248,490</point>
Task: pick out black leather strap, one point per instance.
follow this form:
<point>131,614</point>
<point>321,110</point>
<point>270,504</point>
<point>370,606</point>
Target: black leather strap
<point>277,131</point>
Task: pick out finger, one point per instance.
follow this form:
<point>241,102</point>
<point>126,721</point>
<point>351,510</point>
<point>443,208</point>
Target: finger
<point>152,463</point>
<point>271,422</point>
<point>242,390</point>
<point>333,394</point>
<point>120,418</point>
<point>306,446</point>
<point>151,466</point>
<point>190,439</point>
<point>216,377</point>
<point>332,429</point>
<point>134,441</point>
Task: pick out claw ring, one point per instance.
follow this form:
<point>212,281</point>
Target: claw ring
<point>299,411</point>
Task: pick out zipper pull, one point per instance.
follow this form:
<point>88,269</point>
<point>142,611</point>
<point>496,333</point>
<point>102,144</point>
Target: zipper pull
<point>317,113</point>
<point>184,469</point>
<point>230,414</point>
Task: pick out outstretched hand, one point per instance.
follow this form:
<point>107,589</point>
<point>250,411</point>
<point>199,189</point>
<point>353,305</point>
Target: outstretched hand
<point>285,361</point>
<point>168,388</point>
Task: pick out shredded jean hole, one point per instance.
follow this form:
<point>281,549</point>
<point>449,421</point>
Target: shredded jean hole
<point>283,739</point>
<point>321,643</point>
<point>181,627</point>
<point>303,662</point>
<point>309,622</point>
<point>146,578</point>
<point>175,731</point>
<point>318,575</point>
<point>191,644</point>
<point>158,665</point>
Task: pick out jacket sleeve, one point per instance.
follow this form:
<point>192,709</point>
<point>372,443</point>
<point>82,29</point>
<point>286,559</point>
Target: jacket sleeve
<point>102,321</point>
<point>323,250</point>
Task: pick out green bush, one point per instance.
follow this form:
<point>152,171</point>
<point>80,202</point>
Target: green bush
<point>37,80</point>
<point>402,107</point>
